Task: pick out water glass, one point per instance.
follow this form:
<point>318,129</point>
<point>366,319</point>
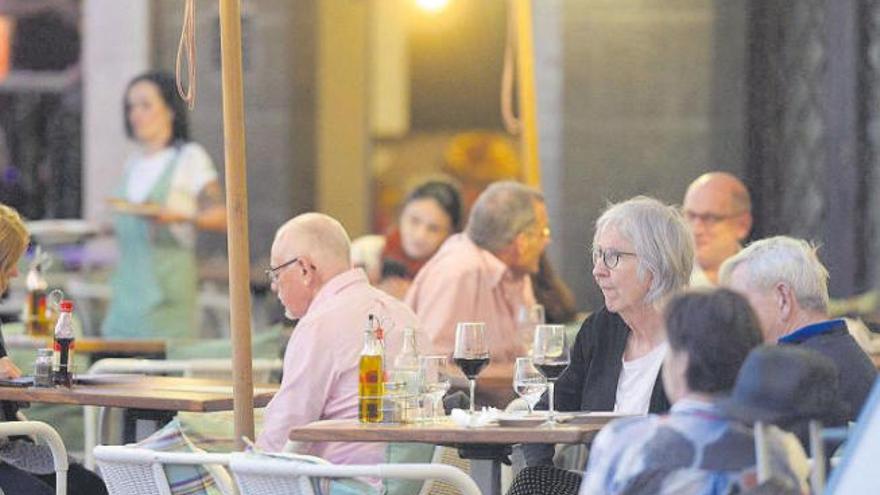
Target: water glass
<point>528,382</point>
<point>434,384</point>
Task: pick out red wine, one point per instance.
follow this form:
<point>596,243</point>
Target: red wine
<point>551,371</point>
<point>471,367</point>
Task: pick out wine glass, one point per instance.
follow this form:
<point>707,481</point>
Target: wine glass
<point>471,352</point>
<point>435,382</point>
<point>528,382</point>
<point>551,357</point>
<point>527,318</point>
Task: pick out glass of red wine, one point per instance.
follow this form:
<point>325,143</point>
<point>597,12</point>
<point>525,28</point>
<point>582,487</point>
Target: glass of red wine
<point>551,356</point>
<point>471,352</point>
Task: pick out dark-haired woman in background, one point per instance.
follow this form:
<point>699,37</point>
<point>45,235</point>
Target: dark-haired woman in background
<point>169,191</point>
<point>429,215</point>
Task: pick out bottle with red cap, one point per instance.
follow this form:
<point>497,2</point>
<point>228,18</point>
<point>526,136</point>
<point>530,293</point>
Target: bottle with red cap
<point>64,344</point>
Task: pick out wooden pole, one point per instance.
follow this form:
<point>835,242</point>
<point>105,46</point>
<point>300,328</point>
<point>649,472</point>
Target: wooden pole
<point>528,108</point>
<point>236,206</point>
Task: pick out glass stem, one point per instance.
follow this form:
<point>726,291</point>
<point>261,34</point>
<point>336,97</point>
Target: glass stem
<point>551,415</point>
<point>473,384</point>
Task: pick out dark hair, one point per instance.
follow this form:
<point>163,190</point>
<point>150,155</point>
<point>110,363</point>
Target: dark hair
<point>552,292</point>
<point>445,194</point>
<point>716,329</point>
<point>167,86</point>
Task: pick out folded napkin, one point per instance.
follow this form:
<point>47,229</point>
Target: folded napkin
<point>485,417</point>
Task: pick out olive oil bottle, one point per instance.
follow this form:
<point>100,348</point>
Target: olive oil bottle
<point>371,377</point>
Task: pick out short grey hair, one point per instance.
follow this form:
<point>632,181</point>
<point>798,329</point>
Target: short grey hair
<point>501,212</point>
<point>319,236</point>
<point>661,239</point>
<point>787,260</point>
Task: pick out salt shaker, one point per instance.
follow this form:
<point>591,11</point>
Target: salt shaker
<point>43,368</point>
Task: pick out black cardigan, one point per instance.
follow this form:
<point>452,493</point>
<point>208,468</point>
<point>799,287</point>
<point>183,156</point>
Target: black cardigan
<point>590,382</point>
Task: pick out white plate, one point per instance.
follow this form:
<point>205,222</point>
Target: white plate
<point>538,417</point>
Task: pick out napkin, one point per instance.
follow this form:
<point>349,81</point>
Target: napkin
<point>484,417</point>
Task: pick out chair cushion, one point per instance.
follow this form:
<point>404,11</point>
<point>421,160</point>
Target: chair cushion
<point>406,453</point>
<point>183,479</point>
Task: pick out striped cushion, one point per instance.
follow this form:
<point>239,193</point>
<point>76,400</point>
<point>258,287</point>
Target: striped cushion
<point>183,479</point>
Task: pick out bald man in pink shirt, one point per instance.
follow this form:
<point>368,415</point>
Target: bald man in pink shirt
<point>312,276</point>
<point>481,275</point>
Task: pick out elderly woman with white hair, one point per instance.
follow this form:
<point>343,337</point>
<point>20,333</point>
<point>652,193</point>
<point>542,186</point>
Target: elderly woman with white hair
<point>642,255</point>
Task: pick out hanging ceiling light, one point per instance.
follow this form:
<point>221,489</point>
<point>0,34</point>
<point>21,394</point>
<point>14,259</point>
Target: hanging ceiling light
<point>432,5</point>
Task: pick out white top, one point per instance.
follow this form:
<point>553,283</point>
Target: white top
<point>636,382</point>
<point>195,170</point>
<point>699,278</point>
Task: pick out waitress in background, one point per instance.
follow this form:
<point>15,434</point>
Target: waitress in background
<point>169,191</point>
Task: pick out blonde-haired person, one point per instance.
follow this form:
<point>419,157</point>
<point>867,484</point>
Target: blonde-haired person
<point>13,242</point>
<point>24,466</point>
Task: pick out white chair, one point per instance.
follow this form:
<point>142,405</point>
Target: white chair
<point>43,433</point>
<point>192,368</point>
<point>264,475</point>
<point>136,471</point>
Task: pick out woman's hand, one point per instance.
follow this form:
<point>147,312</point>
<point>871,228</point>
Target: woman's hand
<point>8,369</point>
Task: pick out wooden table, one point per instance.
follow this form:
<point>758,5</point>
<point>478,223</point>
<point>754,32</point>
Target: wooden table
<point>447,433</point>
<point>140,347</point>
<point>484,446</point>
<point>143,392</point>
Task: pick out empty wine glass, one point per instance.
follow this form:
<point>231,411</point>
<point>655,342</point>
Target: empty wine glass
<point>527,318</point>
<point>551,356</point>
<point>471,352</point>
<point>435,382</point>
<point>528,382</point>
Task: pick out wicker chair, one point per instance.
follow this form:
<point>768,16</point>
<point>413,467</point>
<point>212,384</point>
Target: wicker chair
<point>43,433</point>
<point>269,475</point>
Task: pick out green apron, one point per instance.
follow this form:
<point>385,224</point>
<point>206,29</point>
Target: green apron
<point>154,285</point>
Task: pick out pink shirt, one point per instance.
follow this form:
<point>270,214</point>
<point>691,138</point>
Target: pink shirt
<point>465,283</point>
<point>321,365</point>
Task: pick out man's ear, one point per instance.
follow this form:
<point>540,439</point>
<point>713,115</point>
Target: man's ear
<point>744,226</point>
<point>521,243</point>
<point>784,299</point>
<point>307,269</point>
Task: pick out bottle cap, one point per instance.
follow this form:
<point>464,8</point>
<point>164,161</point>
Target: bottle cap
<point>66,306</point>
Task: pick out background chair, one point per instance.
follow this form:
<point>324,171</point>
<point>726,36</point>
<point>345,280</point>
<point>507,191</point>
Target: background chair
<point>95,418</point>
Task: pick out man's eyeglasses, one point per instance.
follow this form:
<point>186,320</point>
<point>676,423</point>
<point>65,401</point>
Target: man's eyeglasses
<point>708,218</point>
<point>273,273</point>
<point>543,233</point>
<point>610,257</point>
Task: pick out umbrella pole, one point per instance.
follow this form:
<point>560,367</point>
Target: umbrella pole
<point>237,208</point>
<point>528,107</point>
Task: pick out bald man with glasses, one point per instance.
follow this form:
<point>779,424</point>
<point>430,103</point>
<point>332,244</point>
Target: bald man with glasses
<point>312,276</point>
<point>718,209</point>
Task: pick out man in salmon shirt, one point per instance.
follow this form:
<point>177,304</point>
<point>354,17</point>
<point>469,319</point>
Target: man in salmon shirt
<point>312,276</point>
<point>481,275</point>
